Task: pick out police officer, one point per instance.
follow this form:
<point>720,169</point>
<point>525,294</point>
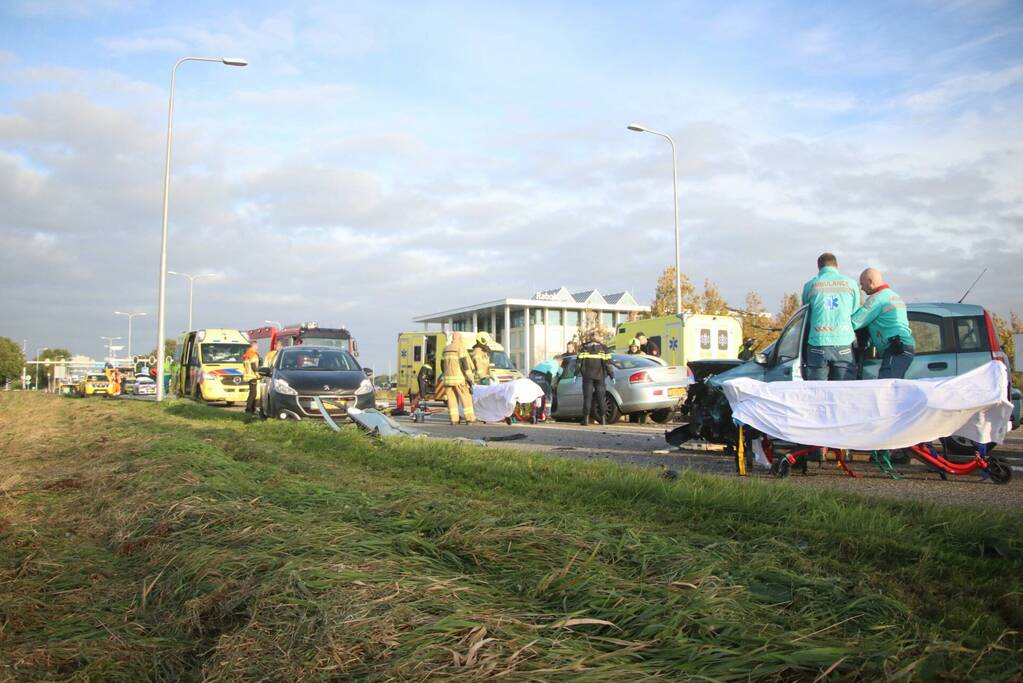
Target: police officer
<point>884,315</point>
<point>457,379</point>
<point>832,298</point>
<point>594,363</point>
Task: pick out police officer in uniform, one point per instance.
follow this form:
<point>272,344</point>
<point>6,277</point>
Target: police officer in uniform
<point>832,298</point>
<point>457,379</point>
<point>884,315</point>
<point>594,363</point>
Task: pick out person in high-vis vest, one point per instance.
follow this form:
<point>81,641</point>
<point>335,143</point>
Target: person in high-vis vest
<point>457,379</point>
<point>481,357</point>
<point>425,381</point>
<point>594,365</point>
<point>884,315</point>
<point>831,298</point>
<point>250,366</point>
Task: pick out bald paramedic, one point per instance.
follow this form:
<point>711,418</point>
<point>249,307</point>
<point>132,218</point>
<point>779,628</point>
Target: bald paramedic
<point>884,315</point>
<point>831,298</point>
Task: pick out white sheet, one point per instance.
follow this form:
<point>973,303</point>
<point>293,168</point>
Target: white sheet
<point>495,402</point>
<point>876,414</point>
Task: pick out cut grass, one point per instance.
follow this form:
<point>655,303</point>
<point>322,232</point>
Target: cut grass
<point>143,543</point>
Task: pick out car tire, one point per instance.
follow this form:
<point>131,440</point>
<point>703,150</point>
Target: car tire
<point>611,411</point>
<point>662,416</point>
<point>960,446</point>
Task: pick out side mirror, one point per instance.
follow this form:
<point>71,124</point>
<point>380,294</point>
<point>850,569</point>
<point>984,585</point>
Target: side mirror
<point>264,372</point>
<point>368,371</point>
<point>760,359</point>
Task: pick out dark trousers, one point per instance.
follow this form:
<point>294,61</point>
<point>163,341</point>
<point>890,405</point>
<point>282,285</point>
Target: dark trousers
<point>594,400</point>
<point>250,405</point>
<point>896,359</point>
<point>829,363</point>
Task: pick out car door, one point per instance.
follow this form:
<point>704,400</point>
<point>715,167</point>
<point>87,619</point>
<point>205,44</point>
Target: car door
<point>570,390</point>
<point>935,349</point>
<point>783,363</point>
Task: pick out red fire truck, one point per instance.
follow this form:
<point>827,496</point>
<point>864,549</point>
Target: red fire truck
<point>270,338</point>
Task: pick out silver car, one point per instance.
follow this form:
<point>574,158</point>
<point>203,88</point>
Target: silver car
<point>642,384</point>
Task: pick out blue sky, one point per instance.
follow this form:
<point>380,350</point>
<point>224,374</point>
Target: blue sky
<point>376,163</point>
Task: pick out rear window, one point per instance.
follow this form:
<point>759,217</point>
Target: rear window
<point>629,362</point>
<point>928,333</point>
<point>971,334</point>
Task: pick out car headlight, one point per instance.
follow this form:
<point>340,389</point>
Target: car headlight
<point>365,387</point>
<point>282,387</point>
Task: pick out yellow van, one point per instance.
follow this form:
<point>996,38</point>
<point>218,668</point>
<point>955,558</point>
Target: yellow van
<point>208,366</point>
<point>702,337</point>
<point>415,347</point>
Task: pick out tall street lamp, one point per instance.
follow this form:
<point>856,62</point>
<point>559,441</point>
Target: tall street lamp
<point>110,345</point>
<point>674,183</point>
<point>191,282</point>
<point>131,316</point>
<point>160,350</point>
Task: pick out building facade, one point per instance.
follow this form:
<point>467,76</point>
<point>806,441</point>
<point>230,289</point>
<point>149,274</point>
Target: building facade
<point>539,327</point>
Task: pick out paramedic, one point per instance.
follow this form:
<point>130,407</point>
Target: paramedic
<point>831,298</point>
<point>884,315</point>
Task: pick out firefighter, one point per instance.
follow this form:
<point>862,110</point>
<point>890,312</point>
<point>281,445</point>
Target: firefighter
<point>884,315</point>
<point>457,378</point>
<point>832,298</point>
<point>250,365</point>
<point>747,352</point>
<point>594,363</point>
<point>481,357</point>
<point>633,347</point>
<point>425,379</point>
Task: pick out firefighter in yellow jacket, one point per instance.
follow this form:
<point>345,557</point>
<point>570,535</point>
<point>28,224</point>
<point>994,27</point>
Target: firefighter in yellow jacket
<point>457,379</point>
<point>481,357</point>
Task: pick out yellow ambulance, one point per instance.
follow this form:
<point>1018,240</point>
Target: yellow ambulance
<point>415,347</point>
<point>702,337</point>
<point>208,366</point>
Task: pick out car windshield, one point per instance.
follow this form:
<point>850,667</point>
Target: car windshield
<point>500,360</point>
<point>298,358</point>
<point>634,361</point>
<point>223,353</point>
<point>96,378</point>
<point>143,380</point>
<point>310,339</point>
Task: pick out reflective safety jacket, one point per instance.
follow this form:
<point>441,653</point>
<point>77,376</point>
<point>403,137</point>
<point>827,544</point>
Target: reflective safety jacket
<point>832,298</point>
<point>250,363</point>
<point>456,367</point>
<point>594,361</point>
<point>481,359</point>
<point>884,316</point>
<point>425,380</point>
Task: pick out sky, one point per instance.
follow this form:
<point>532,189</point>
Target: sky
<point>380,161</point>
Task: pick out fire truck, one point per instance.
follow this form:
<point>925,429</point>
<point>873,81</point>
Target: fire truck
<point>270,339</point>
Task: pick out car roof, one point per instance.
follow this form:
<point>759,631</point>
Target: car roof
<point>947,310</point>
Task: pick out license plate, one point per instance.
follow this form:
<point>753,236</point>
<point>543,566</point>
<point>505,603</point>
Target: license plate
<point>677,391</point>
<point>330,405</point>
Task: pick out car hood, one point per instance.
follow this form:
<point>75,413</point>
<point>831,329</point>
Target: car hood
<point>747,369</point>
<point>316,380</point>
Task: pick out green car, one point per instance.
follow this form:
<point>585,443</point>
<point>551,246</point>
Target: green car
<point>951,339</point>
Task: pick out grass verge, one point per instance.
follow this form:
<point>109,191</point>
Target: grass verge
<point>179,543</point>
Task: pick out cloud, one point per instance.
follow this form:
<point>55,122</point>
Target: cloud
<point>65,8</point>
<point>959,88</point>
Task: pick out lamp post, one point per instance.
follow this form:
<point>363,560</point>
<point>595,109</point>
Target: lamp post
<point>110,342</point>
<point>191,283</point>
<point>38,351</point>
<point>674,183</point>
<point>130,317</point>
<point>160,350</point>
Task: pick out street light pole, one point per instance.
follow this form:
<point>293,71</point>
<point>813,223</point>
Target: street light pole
<point>674,185</point>
<point>110,342</point>
<point>130,317</point>
<point>38,351</point>
<point>191,284</point>
<point>160,348</point>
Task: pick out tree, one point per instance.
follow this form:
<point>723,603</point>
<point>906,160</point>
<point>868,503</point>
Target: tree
<point>789,305</point>
<point>1006,331</point>
<point>757,323</point>
<point>49,371</point>
<point>591,323</point>
<point>12,361</point>
<point>711,302</point>
<point>169,345</point>
<point>664,296</point>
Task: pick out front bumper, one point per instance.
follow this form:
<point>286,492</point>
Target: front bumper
<point>218,391</point>
<point>337,405</point>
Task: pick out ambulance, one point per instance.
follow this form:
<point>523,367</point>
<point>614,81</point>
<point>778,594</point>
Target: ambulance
<point>208,366</point>
<point>415,347</point>
<point>701,337</point>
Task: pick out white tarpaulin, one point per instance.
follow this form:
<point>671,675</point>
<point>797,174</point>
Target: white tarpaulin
<point>495,402</point>
<point>876,414</point>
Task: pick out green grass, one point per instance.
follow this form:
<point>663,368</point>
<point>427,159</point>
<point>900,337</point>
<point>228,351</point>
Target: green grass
<point>179,543</point>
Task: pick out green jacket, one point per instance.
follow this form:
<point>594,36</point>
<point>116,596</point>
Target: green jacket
<point>884,316</point>
<point>832,298</point>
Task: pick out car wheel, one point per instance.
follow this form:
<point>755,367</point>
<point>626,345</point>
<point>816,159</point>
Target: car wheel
<point>662,416</point>
<point>611,411</point>
<point>1000,471</point>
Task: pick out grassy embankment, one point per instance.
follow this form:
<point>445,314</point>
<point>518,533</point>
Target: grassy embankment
<point>180,543</point>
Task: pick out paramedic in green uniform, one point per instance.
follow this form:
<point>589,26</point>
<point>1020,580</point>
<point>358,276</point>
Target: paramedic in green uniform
<point>831,298</point>
<point>884,315</point>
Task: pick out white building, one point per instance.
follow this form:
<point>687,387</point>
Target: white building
<point>539,327</point>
